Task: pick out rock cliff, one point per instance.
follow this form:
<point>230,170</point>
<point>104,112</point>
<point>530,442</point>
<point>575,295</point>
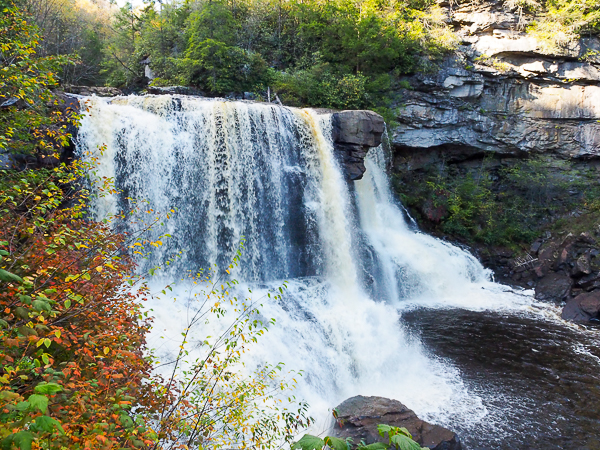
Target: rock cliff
<point>500,99</point>
<point>503,91</point>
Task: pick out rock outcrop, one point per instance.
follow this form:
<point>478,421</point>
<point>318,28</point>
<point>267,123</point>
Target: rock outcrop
<point>354,132</point>
<point>359,416</point>
<point>100,91</point>
<point>502,92</point>
<point>583,308</point>
<point>563,269</point>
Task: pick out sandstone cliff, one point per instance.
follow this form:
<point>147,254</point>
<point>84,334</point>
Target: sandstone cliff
<point>503,91</point>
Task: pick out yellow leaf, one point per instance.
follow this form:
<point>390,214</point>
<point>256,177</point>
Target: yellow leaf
<point>106,350</point>
<point>99,268</point>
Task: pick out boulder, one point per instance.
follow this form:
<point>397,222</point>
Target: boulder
<point>589,282</point>
<point>553,287</point>
<point>583,308</point>
<point>353,133</point>
<point>359,416</point>
<point>362,128</point>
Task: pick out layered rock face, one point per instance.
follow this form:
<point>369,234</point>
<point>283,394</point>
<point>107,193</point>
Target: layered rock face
<point>359,416</point>
<point>354,132</point>
<point>503,92</point>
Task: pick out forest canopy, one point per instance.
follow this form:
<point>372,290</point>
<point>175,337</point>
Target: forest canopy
<point>334,53</point>
<point>340,53</point>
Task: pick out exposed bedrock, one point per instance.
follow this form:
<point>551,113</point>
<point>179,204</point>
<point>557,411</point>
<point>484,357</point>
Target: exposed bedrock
<point>353,133</point>
<point>507,95</point>
<point>503,92</point>
<point>359,416</point>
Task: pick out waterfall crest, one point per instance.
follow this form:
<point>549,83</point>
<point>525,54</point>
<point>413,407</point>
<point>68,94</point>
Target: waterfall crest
<point>269,173</point>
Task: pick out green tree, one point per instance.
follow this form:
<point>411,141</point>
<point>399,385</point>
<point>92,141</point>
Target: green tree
<point>30,121</point>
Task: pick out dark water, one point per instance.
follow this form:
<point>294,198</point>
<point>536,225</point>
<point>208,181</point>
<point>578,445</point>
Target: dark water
<point>539,380</point>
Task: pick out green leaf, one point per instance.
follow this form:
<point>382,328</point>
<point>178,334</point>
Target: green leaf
<point>48,425</point>
<point>309,442</point>
<point>22,439</point>
<point>336,443</point>
<point>38,401</point>
<point>41,305</point>
<point>9,277</point>
<point>3,323</point>
<point>48,388</point>
<point>4,253</point>
<point>383,428</point>
<point>405,432</point>
<point>22,406</point>
<point>403,442</point>
<point>374,446</point>
<point>126,421</point>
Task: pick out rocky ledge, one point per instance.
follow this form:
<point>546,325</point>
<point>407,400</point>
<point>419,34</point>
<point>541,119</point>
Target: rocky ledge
<point>502,91</point>
<point>359,416</point>
<point>353,133</point>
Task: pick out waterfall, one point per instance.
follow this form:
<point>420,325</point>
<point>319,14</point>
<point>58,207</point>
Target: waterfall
<point>353,264</point>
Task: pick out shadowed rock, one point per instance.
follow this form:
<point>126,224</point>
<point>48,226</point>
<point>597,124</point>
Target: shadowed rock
<point>354,132</point>
<point>583,308</point>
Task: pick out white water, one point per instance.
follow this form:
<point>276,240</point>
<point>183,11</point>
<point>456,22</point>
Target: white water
<point>236,169</point>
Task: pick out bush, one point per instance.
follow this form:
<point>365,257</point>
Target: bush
<point>320,87</point>
<point>509,206</point>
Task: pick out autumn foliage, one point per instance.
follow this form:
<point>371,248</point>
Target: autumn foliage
<point>75,372</point>
<point>73,355</point>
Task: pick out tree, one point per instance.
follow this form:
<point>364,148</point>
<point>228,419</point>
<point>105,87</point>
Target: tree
<point>74,368</point>
<point>30,122</point>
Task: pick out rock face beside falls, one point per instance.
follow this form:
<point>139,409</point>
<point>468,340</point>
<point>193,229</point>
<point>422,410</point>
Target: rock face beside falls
<point>353,133</point>
<point>503,91</point>
<point>359,417</point>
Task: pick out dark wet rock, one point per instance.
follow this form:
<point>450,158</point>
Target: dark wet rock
<point>359,417</point>
<point>583,308</point>
<point>536,246</point>
<point>358,127</point>
<point>354,132</point>
<point>589,282</point>
<point>553,287</point>
<point>583,265</point>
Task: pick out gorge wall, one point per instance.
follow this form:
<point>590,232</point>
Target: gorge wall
<point>503,92</point>
<point>501,101</point>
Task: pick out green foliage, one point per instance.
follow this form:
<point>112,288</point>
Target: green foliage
<point>559,23</point>
<point>28,125</point>
<point>318,86</point>
<point>221,47</point>
<point>309,442</point>
<point>499,205</point>
<point>399,438</point>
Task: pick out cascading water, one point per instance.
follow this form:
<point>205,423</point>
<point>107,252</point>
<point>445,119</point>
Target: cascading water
<point>269,173</point>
